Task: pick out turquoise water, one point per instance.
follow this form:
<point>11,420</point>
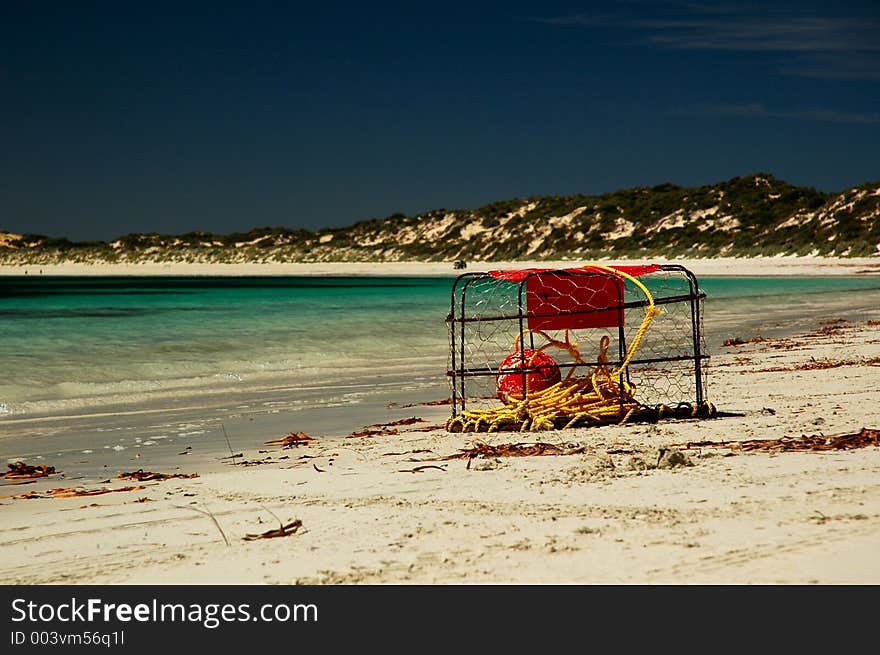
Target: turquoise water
<point>70,344</point>
<point>109,374</point>
<point>74,342</point>
<point>781,306</point>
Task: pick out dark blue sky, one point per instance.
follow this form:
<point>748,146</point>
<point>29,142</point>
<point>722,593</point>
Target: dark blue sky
<point>121,117</point>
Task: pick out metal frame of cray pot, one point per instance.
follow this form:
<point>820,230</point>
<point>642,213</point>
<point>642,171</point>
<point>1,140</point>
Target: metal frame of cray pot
<point>580,313</point>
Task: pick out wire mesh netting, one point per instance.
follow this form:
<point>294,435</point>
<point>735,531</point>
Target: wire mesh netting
<point>549,348</point>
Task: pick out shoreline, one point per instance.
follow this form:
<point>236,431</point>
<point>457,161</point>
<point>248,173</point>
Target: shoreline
<point>723,266</point>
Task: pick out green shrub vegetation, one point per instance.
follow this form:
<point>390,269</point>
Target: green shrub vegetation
<point>744,216</point>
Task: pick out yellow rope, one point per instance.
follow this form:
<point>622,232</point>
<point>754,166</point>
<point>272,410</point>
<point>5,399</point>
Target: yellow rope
<point>602,397</point>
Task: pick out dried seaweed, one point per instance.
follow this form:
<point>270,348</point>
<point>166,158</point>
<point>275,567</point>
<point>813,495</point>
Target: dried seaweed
<point>292,440</point>
<point>70,492</point>
<point>258,462</point>
<point>89,506</point>
<point>409,452</point>
<point>419,469</point>
<point>369,432</point>
<point>427,403</point>
<point>144,476</point>
<point>402,421</point>
<point>821,364</point>
<point>383,429</point>
<point>22,471</point>
<point>283,531</point>
<point>516,450</point>
<point>812,443</point>
<point>736,341</point>
<point>429,428</point>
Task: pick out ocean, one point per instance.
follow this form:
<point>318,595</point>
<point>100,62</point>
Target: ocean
<point>97,369</point>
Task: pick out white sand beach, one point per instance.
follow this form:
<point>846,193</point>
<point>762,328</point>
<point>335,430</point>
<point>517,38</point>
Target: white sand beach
<point>631,504</point>
<point>758,266</point>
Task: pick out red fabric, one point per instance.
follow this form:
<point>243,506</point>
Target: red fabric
<point>552,301</point>
<point>518,275</point>
<point>561,302</point>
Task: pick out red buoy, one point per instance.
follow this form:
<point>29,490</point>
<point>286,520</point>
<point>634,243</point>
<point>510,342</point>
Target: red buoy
<point>543,372</point>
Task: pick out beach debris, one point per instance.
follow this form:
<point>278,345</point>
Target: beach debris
<point>829,328</point>
<point>812,443</point>
<point>821,364</point>
<point>427,403</point>
<point>622,450</point>
<point>423,467</point>
<point>144,476</point>
<point>527,449</point>
<point>89,506</point>
<point>403,421</point>
<point>22,471</point>
<point>210,515</point>
<point>291,440</point>
<point>232,454</point>
<point>384,429</point>
<point>370,432</point>
<point>409,452</point>
<point>285,530</point>
<point>319,470</point>
<point>256,462</point>
<point>737,341</point>
<point>71,492</point>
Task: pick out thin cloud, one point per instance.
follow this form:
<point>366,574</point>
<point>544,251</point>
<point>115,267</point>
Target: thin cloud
<point>835,66</point>
<point>813,114</point>
<point>789,34</point>
<point>847,45</point>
